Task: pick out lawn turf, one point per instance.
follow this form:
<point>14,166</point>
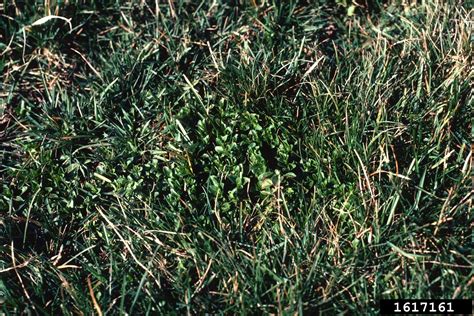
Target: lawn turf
<point>236,157</point>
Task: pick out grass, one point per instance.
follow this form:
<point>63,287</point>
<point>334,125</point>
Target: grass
<point>239,157</point>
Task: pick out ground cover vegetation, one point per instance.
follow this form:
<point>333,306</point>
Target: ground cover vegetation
<point>234,156</point>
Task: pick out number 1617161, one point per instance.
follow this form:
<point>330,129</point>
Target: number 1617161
<point>423,307</point>
<point>428,306</point>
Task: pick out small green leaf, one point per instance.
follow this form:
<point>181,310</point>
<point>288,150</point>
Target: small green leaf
<point>351,10</point>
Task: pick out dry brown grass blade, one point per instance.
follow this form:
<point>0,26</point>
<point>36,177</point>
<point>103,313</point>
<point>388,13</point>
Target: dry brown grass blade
<point>94,301</point>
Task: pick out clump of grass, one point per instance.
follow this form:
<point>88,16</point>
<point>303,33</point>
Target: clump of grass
<point>253,157</point>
